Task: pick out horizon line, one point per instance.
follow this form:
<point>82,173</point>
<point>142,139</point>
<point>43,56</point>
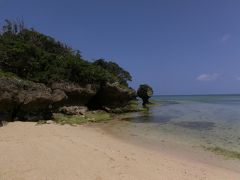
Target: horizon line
<point>217,94</point>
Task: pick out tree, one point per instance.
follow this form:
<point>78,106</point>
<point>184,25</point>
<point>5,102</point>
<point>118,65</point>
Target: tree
<point>145,92</point>
<point>40,58</point>
<point>13,27</point>
<point>121,75</point>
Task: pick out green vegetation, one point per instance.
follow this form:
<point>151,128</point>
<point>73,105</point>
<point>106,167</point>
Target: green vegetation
<point>36,57</point>
<point>91,116</point>
<point>6,74</point>
<point>120,74</point>
<point>133,104</point>
<point>224,152</point>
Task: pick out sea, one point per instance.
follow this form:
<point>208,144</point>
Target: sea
<point>189,120</point>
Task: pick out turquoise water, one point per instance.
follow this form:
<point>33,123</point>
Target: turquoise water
<point>204,120</point>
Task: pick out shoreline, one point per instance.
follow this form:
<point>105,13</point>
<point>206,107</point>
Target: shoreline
<point>54,151</point>
<point>178,150</point>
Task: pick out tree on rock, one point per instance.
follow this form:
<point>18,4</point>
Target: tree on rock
<point>122,76</point>
<point>145,92</point>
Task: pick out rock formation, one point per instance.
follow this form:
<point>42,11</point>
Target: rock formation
<point>145,92</point>
<point>73,110</point>
<point>25,100</point>
<point>28,101</point>
<point>76,95</point>
<point>40,75</point>
<point>112,96</point>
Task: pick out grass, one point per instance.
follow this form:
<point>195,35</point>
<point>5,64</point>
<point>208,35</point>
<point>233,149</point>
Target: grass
<point>90,117</point>
<point>224,152</point>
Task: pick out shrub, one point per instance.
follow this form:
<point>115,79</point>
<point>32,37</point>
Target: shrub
<point>34,56</point>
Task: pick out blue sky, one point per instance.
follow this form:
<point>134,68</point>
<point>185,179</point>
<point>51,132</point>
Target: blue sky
<point>176,46</point>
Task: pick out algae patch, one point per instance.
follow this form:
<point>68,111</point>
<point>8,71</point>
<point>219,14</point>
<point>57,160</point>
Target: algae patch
<point>92,116</point>
<point>196,125</point>
<point>224,152</point>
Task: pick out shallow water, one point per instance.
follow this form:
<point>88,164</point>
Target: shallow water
<point>189,120</point>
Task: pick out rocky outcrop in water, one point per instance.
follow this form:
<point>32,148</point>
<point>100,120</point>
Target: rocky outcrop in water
<point>145,92</point>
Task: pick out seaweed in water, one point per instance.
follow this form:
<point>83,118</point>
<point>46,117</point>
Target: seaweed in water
<point>197,125</point>
<point>224,152</point>
<point>149,119</point>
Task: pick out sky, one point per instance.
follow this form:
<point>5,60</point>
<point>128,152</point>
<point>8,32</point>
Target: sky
<point>176,46</point>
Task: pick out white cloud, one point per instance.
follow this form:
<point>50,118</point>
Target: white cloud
<point>225,37</point>
<point>208,77</point>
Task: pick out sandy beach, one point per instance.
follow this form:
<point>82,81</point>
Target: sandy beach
<point>55,152</point>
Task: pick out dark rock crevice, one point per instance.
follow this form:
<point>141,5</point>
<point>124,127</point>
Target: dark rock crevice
<point>15,112</point>
<point>111,96</point>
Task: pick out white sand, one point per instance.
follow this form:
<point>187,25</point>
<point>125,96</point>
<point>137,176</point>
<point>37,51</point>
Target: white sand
<point>54,152</point>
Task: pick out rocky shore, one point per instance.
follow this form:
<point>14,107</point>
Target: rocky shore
<point>28,101</point>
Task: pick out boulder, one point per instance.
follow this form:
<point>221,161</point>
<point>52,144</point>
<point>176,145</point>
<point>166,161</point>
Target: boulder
<point>112,96</point>
<point>76,95</point>
<point>145,92</point>
<point>58,96</point>
<point>73,110</point>
<point>24,100</point>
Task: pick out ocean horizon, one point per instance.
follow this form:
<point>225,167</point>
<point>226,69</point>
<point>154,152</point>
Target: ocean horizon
<point>217,94</point>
